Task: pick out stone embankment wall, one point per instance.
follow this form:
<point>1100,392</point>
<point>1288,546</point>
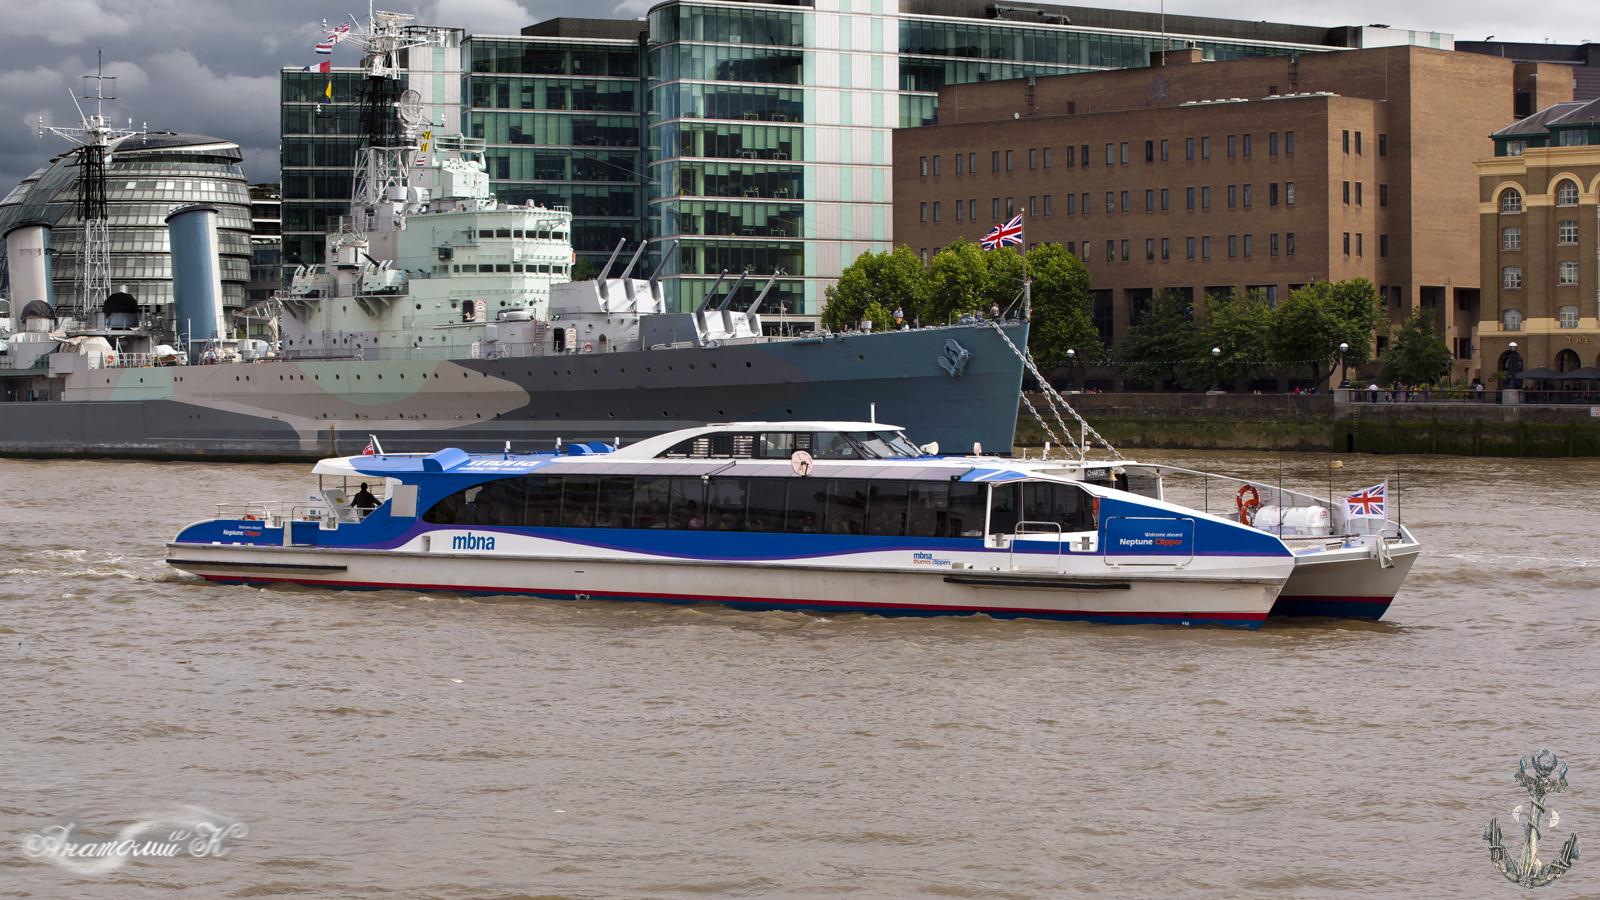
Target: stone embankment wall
<point>1316,423</point>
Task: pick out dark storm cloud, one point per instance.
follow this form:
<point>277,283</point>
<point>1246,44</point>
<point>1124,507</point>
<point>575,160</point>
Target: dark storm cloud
<point>210,66</point>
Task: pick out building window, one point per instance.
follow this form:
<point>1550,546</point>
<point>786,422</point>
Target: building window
<point>1358,143</point>
<point>959,159</point>
<point>1383,145</point>
<point>994,161</point>
<point>1568,316</point>
<point>1272,194</point>
<point>959,205</point>
<point>972,209</point>
<point>972,163</point>
<point>1272,244</point>
<point>1047,157</point>
<point>924,254</point>
<point>1567,272</point>
<point>1083,153</point>
<point>1566,232</point>
<point>1111,251</point>
<point>1124,152</point>
<point>1233,196</point>
<point>1189,197</point>
<point>1288,193</point>
<point>1011,207</point>
<point>1085,204</point>
<point>1511,278</point>
<point>1347,243</point>
<point>1123,197</point>
<point>1111,201</point>
<point>1205,148</point>
<point>1288,244</point>
<point>1347,140</point>
<point>1111,154</point>
<point>923,213</point>
<point>1511,239</point>
<point>1188,248</point>
<point>1124,249</point>
<point>1047,209</point>
<point>1249,246</point>
<point>1164,199</point>
<point>936,167</point>
<point>1072,205</point>
<point>1383,246</point>
<point>1163,149</point>
<point>1205,247</point>
<point>1359,241</point>
<point>922,167</point>
<point>1574,137</point>
<point>1288,143</point>
<point>1248,195</point>
<point>1188,149</point>
<point>1033,205</point>
<point>1358,193</point>
<point>1149,249</point>
<point>1516,148</point>
<point>995,214</point>
<point>1247,146</point>
<point>1233,246</point>
<point>1149,151</point>
<point>1511,320</point>
<point>1383,196</point>
<point>1233,145</point>
<point>1272,143</point>
<point>1567,194</point>
<point>1149,200</point>
<point>1205,197</point>
<point>1166,250</point>
<point>1511,201</point>
<point>1347,193</point>
<point>1033,158</point>
<point>936,211</point>
<point>1009,166</point>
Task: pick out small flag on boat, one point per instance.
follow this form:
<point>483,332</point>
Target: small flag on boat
<point>1368,504</point>
<point>340,33</point>
<point>1009,233</point>
<point>373,448</point>
<point>369,450</point>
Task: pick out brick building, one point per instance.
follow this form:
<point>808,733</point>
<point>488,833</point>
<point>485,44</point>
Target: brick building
<point>1540,231</point>
<point>1264,173</point>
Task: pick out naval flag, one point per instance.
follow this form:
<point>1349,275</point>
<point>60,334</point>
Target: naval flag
<point>1009,233</point>
<point>1368,504</point>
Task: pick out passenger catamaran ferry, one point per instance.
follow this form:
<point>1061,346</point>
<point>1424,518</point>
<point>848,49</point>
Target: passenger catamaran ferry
<point>821,516</point>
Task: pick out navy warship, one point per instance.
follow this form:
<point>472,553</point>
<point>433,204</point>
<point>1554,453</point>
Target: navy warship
<point>443,317</point>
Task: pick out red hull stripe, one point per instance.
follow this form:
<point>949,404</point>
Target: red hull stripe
<point>709,598</point>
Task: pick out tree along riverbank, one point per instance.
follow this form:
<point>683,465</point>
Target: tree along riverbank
<point>1316,423</point>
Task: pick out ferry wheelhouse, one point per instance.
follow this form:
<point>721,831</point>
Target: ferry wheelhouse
<point>817,516</point>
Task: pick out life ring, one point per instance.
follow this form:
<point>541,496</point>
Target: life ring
<point>1247,508</point>
<point>111,360</point>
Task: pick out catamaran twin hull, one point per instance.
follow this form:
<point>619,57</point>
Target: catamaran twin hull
<point>956,386</point>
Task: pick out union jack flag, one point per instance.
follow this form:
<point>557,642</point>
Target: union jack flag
<point>369,449</point>
<point>1009,233</point>
<point>1368,504</point>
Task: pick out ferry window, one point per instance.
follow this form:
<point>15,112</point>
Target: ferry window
<point>1063,504</point>
<point>615,502</point>
<point>544,501</point>
<point>1005,508</point>
<point>652,497</point>
<point>688,503</point>
<point>847,506</point>
<point>502,267</point>
<point>501,502</point>
<point>725,504</point>
<point>517,232</point>
<point>460,508</point>
<point>578,496</point>
<point>503,232</point>
<point>886,508</point>
<point>805,501</point>
<point>833,445</point>
<point>885,444</point>
<point>965,518</point>
<point>777,445</point>
<point>929,509</point>
<point>764,504</point>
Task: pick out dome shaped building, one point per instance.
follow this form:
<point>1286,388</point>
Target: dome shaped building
<point>149,175</point>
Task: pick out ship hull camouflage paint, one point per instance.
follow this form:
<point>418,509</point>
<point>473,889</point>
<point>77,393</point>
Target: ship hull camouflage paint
<point>314,409</point>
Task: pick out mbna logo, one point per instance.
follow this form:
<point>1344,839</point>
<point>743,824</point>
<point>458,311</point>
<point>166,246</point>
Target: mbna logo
<point>471,541</point>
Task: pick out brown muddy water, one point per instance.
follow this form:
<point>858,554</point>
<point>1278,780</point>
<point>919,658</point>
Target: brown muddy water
<point>434,746</point>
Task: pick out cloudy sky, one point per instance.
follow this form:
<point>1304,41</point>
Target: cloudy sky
<point>210,66</point>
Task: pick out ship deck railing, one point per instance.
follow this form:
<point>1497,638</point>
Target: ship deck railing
<point>275,513</point>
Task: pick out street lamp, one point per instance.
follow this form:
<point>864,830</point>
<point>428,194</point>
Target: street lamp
<point>1216,370</point>
<point>1344,373</point>
<point>1072,358</point>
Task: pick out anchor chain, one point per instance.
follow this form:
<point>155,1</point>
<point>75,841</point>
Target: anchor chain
<point>1053,397</point>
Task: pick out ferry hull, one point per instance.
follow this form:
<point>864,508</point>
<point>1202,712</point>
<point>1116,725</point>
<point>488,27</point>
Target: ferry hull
<point>315,409</point>
<point>1357,587</point>
<point>1113,598</point>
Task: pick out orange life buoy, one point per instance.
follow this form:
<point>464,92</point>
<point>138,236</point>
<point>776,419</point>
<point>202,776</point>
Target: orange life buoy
<point>1247,508</point>
<point>111,359</point>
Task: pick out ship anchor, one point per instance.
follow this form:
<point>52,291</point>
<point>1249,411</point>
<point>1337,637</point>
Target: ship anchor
<point>1548,776</point>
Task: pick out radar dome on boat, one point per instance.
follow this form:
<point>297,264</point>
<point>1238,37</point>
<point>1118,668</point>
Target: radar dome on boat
<point>38,309</point>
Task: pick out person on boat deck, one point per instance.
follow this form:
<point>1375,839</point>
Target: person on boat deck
<point>364,501</point>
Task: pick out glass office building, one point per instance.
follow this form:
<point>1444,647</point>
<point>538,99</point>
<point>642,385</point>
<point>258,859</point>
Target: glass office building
<point>758,135</point>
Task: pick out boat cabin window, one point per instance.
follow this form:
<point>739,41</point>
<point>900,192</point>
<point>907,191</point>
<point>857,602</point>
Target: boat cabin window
<point>887,444</point>
<point>1038,503</point>
<point>690,503</point>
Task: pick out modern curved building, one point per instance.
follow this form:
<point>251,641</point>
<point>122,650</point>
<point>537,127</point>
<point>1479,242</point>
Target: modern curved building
<point>148,176</point>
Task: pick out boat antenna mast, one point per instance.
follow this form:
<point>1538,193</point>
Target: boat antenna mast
<point>390,116</point>
<point>97,139</point>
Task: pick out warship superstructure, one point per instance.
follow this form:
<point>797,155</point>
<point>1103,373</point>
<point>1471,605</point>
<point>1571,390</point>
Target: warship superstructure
<point>442,317</point>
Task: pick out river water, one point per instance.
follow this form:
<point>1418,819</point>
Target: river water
<point>439,746</point>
